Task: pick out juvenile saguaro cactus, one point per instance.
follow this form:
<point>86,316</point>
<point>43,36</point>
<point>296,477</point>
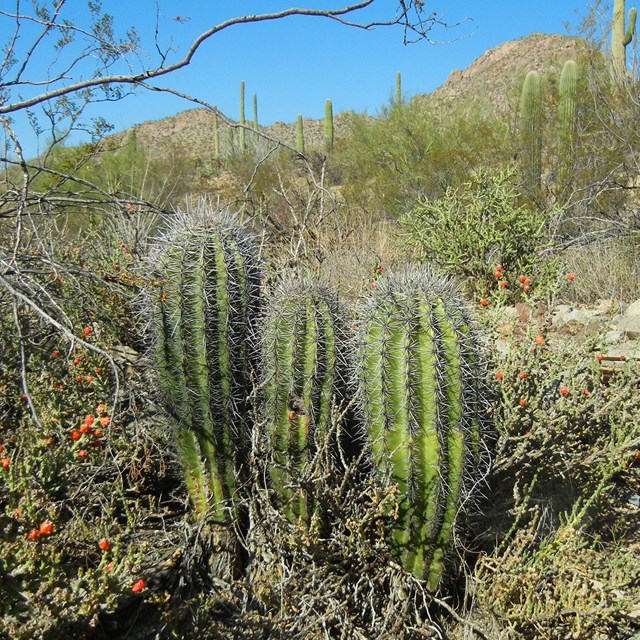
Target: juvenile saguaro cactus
<point>302,352</point>
<point>328,125</point>
<point>203,311</point>
<point>621,37</point>
<point>531,130</point>
<point>419,385</point>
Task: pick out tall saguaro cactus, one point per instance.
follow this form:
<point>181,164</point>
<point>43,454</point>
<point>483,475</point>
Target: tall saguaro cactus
<point>419,386</point>
<point>398,100</point>
<point>302,352</point>
<point>621,37</point>
<point>328,125</point>
<point>208,277</point>
<point>531,131</point>
<point>299,134</point>
<point>241,119</point>
<point>567,125</point>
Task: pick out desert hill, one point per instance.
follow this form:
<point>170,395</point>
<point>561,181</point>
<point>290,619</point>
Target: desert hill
<point>491,76</point>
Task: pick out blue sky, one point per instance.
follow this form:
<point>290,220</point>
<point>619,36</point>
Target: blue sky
<point>294,64</point>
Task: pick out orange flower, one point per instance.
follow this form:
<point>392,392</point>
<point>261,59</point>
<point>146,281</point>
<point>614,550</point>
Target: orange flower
<point>502,283</point>
<point>46,527</point>
<point>499,375</point>
<point>5,463</point>
<point>75,434</point>
<point>101,408</point>
<point>599,357</point>
<point>76,360</point>
<point>522,375</point>
<point>522,278</point>
<point>82,453</point>
<point>570,277</point>
<point>563,390</point>
<point>88,419</point>
<point>522,402</point>
<point>104,544</point>
<point>104,420</point>
<point>85,428</point>
<point>34,534</point>
<point>86,330</point>
<point>138,586</point>
<point>484,302</point>
<point>621,356</point>
<point>55,353</point>
<point>539,339</point>
<point>88,378</point>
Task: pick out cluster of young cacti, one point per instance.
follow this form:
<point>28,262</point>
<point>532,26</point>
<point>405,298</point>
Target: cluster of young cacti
<point>414,354</point>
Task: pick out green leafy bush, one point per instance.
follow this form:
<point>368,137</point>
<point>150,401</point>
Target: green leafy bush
<point>479,230</point>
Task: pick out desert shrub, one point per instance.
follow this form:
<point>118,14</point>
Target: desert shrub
<point>419,149</point>
<point>481,233</point>
<point>568,423</point>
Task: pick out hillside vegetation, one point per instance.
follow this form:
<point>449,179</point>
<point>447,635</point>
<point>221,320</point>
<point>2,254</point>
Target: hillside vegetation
<point>190,411</point>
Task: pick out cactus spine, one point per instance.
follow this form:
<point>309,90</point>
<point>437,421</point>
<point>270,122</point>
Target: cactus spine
<point>531,131</point>
<point>202,318</point>
<point>621,37</point>
<point>241,120</point>
<point>418,385</point>
<point>328,126</point>
<point>567,125</point>
<point>302,334</point>
<point>299,135</point>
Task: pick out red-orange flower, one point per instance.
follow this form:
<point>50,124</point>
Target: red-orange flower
<point>539,339</point>
<point>563,390</point>
<point>75,434</point>
<point>499,375</point>
<point>570,277</point>
<point>34,534</point>
<point>86,330</point>
<point>522,402</point>
<point>138,585</point>
<point>46,527</point>
<point>484,302</point>
<point>5,463</point>
<point>522,375</point>
<point>104,544</point>
<point>82,453</point>
<point>104,420</point>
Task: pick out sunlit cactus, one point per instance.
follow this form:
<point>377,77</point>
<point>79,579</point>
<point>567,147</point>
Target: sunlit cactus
<point>421,392</point>
<point>303,365</point>
<point>203,309</point>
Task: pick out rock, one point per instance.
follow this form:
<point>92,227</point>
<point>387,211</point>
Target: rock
<point>629,323</point>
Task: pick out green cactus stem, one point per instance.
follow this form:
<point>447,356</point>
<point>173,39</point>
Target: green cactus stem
<point>241,119</point>
<point>398,101</point>
<point>328,126</point>
<point>302,353</point>
<point>621,36</point>
<point>216,136</point>
<point>204,307</point>
<point>567,126</point>
<point>299,134</point>
<point>419,385</point>
<point>531,131</point>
